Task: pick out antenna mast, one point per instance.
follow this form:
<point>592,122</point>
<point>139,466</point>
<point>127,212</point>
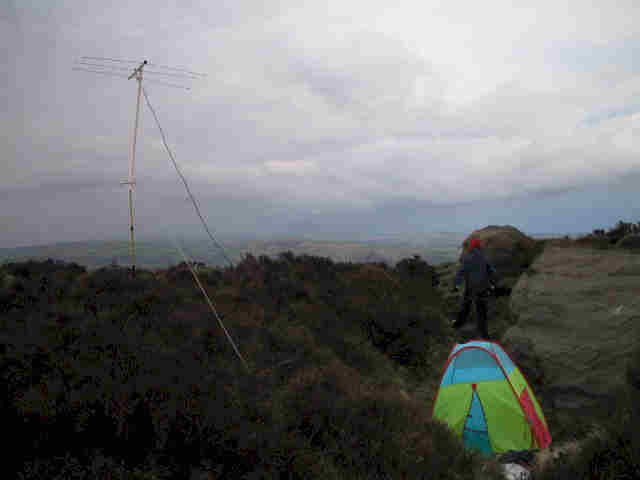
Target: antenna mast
<point>131,181</point>
<point>116,68</point>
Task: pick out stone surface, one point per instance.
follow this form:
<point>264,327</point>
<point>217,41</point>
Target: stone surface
<point>522,351</point>
<point>581,313</point>
<point>506,247</point>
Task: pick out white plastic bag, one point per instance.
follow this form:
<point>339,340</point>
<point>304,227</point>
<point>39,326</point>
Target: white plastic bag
<point>513,471</point>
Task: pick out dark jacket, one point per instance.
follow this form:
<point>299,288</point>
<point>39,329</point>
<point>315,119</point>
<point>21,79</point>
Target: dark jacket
<point>476,272</point>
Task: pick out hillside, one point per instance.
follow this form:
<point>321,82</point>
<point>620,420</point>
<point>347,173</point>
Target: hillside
<point>103,374</point>
<point>161,253</point>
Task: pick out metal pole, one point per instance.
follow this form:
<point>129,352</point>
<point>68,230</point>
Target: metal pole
<point>109,69</point>
<point>132,245</point>
<point>132,176</point>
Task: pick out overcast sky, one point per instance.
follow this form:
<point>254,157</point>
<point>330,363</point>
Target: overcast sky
<point>353,117</point>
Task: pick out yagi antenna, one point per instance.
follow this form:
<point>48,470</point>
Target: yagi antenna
<point>117,71</point>
<point>115,74</point>
<point>153,65</point>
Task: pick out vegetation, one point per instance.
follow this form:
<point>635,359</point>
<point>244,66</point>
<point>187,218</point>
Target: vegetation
<point>621,230</point>
<point>613,450</point>
<point>106,376</point>
<point>160,253</point>
<point>623,235</point>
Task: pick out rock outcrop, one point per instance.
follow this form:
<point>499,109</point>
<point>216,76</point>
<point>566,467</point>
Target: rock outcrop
<point>580,310</point>
<point>506,247</point>
<point>523,354</point>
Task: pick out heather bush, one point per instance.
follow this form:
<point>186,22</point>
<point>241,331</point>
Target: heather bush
<point>630,242</point>
<point>623,234</point>
<point>592,241</point>
<point>611,452</point>
<point>134,377</point>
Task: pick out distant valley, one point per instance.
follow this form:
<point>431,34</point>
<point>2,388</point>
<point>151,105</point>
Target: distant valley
<point>435,248</point>
<point>157,253</point>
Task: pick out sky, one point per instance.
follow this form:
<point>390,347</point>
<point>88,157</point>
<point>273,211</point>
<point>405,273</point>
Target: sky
<point>354,118</point>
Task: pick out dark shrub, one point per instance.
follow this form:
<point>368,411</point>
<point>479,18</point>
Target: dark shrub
<point>631,242</point>
<point>613,450</point>
<point>592,241</point>
<point>136,375</point>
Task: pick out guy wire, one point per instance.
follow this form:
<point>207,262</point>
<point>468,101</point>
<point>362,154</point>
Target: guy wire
<point>213,309</point>
<point>184,181</point>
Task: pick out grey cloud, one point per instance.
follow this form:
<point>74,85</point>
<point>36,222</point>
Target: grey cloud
<point>608,114</point>
<point>312,118</point>
<point>390,69</point>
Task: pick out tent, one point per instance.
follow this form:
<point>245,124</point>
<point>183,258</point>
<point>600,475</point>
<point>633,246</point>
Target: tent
<point>486,400</point>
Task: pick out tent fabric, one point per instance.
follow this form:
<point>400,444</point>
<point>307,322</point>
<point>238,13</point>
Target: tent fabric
<point>476,365</point>
<point>505,418</point>
<point>456,407</point>
<point>519,385</point>
<point>485,399</point>
<point>476,434</point>
<point>539,429</point>
<point>491,347</point>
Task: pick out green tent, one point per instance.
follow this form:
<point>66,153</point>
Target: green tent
<point>486,400</point>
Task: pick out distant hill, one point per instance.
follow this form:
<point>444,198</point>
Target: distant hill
<point>434,248</point>
<point>153,254</point>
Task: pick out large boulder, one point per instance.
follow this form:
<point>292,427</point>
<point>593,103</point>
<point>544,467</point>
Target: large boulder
<point>580,310</point>
<point>507,248</point>
<point>522,352</point>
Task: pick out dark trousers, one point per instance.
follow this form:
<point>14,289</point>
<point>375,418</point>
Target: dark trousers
<point>481,312</point>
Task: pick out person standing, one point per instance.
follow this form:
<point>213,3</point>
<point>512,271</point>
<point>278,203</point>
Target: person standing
<point>479,278</point>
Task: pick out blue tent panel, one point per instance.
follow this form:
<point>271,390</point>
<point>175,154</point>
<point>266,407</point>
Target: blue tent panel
<point>475,346</point>
<point>473,365</point>
<point>475,418</point>
<point>477,441</point>
<point>506,362</point>
<point>475,434</point>
<point>494,348</point>
<point>473,343</point>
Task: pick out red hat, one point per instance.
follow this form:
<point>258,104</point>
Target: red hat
<point>475,243</point>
